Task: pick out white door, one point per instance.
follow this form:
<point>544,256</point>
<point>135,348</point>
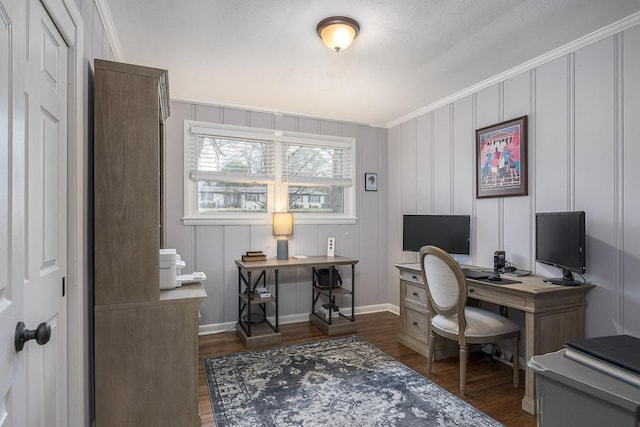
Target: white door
<point>12,191</point>
<point>46,231</point>
<point>33,216</point>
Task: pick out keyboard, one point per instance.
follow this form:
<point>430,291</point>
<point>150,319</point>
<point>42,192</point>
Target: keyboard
<point>474,274</point>
<point>518,273</point>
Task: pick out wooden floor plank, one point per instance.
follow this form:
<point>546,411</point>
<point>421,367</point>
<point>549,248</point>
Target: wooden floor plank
<point>489,383</point>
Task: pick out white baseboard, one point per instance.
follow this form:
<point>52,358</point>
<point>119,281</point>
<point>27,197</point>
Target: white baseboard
<point>218,328</point>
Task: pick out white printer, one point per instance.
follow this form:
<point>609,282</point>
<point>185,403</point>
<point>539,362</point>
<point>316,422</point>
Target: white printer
<point>171,268</point>
<point>168,268</point>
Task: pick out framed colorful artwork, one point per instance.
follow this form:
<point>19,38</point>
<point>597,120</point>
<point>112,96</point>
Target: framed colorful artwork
<point>501,159</point>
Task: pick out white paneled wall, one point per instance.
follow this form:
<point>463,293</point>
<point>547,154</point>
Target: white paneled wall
<point>583,154</point>
<point>518,210</point>
<point>213,249</point>
<point>595,180</point>
<point>627,288</point>
<point>463,163</point>
<point>489,212</point>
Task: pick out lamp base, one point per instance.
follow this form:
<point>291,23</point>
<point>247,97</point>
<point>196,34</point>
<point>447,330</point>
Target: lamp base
<point>283,249</point>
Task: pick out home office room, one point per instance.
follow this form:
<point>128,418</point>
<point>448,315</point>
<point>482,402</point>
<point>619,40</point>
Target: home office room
<point>268,225</point>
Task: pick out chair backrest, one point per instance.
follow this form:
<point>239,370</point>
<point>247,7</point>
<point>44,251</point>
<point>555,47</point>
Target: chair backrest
<point>445,283</point>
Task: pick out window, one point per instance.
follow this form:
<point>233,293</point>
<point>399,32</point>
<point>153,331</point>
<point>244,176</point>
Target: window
<point>238,175</point>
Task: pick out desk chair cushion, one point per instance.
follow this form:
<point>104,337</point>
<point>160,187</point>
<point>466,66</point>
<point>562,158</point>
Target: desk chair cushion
<point>480,323</point>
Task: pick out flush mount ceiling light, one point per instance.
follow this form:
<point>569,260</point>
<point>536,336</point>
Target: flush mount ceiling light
<point>337,32</point>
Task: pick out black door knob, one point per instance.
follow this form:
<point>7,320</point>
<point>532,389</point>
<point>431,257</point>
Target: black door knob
<point>41,334</point>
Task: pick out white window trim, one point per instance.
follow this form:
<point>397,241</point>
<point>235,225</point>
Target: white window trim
<point>277,191</point>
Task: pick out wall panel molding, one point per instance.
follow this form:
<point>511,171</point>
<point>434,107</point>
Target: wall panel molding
<point>571,130</point>
<point>109,29</point>
<point>532,164</point>
<point>618,149</point>
<point>452,177</point>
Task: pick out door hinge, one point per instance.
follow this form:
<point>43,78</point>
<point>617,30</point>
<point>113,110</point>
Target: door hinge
<point>63,290</point>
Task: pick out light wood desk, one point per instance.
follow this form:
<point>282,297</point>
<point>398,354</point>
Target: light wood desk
<point>269,333</point>
<point>553,315</point>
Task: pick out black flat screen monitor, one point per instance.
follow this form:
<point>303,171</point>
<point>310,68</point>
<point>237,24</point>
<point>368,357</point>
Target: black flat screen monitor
<point>448,232</point>
<point>560,242</point>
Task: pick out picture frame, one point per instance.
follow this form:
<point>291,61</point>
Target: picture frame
<point>501,159</point>
<point>370,181</point>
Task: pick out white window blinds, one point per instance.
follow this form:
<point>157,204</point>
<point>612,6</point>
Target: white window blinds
<point>239,173</point>
<point>320,165</point>
<point>228,158</point>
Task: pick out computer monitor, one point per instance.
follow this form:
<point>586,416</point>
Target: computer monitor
<point>451,233</point>
<point>560,242</point>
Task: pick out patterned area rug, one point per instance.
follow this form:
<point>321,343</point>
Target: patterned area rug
<point>333,382</point>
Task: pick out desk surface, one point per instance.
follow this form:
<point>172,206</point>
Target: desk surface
<point>531,285</point>
<point>312,261</point>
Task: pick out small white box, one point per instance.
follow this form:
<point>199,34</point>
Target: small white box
<point>168,259</point>
<point>324,312</point>
<point>331,246</point>
<point>262,292</point>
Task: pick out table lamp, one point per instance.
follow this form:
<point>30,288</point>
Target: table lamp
<point>282,227</point>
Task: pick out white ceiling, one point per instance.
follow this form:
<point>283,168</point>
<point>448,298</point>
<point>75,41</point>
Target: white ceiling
<point>265,54</point>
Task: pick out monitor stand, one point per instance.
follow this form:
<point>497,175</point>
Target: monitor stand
<point>566,279</point>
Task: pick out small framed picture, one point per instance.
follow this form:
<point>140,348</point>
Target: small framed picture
<point>371,181</point>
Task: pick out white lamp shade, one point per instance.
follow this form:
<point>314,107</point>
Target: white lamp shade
<point>282,224</point>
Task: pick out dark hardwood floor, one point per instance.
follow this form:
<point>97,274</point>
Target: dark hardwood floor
<point>489,383</point>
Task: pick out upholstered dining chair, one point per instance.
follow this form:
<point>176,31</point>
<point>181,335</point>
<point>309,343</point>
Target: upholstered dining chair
<point>451,318</point>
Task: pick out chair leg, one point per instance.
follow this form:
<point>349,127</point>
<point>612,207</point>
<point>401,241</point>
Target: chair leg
<point>516,361</point>
<point>464,357</point>
<point>430,351</point>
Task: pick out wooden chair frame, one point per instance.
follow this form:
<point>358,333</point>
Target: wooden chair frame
<point>459,309</point>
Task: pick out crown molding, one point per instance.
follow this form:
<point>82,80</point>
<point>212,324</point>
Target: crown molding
<point>573,46</point>
<point>109,29</point>
<point>189,100</point>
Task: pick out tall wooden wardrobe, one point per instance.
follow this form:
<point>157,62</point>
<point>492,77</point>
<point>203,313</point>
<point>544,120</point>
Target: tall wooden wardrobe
<point>145,340</point>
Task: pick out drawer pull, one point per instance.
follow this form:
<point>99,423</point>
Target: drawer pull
<point>414,277</point>
<point>415,323</point>
<point>415,294</point>
<point>471,290</point>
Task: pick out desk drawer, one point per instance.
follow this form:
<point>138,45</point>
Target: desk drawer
<point>496,296</point>
<point>416,326</point>
<point>412,276</point>
<point>415,295</point>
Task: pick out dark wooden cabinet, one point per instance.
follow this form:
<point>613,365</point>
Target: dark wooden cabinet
<point>130,107</point>
<point>145,340</point>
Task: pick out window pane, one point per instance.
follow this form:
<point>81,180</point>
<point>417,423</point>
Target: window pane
<point>217,158</point>
<point>328,199</point>
<point>218,196</point>
<point>316,164</point>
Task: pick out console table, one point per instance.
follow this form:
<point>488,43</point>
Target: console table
<point>268,332</point>
<point>553,314</point>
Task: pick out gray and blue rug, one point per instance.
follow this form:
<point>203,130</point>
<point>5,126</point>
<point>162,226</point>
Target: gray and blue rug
<point>333,382</point>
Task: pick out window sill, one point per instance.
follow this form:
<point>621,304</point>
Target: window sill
<point>267,221</point>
